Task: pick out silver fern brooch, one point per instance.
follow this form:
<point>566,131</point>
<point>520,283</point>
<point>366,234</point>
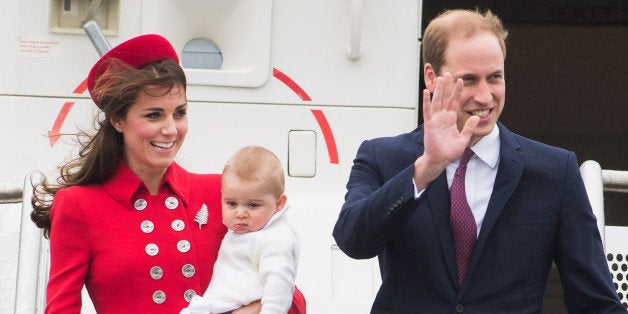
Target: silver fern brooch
<point>201,216</point>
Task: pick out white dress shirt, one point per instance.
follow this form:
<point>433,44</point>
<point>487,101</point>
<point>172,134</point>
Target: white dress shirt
<point>480,175</point>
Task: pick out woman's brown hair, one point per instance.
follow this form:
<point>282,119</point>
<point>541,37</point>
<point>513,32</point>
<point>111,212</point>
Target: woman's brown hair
<point>116,90</point>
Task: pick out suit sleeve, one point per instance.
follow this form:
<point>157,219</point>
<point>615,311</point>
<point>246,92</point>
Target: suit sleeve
<point>376,207</point>
<point>586,280</point>
<point>69,255</point>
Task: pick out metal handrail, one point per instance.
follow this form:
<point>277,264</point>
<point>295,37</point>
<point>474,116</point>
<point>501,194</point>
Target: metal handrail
<point>32,264</point>
<point>10,192</point>
<point>615,180</point>
<point>597,181</point>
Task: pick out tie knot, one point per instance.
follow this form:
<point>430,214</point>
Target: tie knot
<point>466,156</point>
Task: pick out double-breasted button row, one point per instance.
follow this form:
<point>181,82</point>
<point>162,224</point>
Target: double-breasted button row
<point>394,205</point>
<point>159,296</point>
<point>171,203</point>
<point>148,226</point>
<point>183,246</point>
<point>188,271</point>
<point>152,249</point>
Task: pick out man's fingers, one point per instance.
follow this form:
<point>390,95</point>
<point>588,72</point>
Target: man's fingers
<point>437,98</point>
<point>427,106</point>
<point>470,126</point>
<point>454,99</point>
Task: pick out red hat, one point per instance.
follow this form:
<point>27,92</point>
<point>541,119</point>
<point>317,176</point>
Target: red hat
<point>138,52</point>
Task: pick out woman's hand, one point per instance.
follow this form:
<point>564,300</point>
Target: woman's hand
<point>252,308</point>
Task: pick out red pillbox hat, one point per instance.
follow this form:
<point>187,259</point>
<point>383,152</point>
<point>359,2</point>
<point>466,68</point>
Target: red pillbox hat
<point>137,52</point>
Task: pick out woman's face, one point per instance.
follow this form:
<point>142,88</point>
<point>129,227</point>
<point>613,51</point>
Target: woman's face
<point>154,129</point>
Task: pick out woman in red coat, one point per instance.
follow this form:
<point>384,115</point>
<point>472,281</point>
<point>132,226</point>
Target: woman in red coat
<point>140,232</point>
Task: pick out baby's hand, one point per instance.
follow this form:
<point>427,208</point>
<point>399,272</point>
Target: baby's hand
<point>252,308</point>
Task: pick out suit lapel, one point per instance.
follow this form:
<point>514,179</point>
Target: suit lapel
<point>438,202</point>
<point>437,196</point>
<point>508,175</point>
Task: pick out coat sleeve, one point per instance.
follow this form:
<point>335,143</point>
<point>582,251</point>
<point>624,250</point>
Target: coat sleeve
<point>377,205</point>
<point>586,280</point>
<point>298,303</point>
<point>277,271</point>
<point>69,255</point>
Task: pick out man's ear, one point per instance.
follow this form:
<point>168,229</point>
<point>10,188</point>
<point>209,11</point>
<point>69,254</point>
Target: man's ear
<point>429,75</point>
<point>281,202</point>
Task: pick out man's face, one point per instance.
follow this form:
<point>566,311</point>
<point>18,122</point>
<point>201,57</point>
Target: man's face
<point>479,62</point>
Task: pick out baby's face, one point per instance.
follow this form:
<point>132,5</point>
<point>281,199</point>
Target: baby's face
<point>247,205</point>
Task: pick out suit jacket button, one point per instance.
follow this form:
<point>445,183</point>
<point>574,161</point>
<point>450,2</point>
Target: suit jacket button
<point>459,308</point>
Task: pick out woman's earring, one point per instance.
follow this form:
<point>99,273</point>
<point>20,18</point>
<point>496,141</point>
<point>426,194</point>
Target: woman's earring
<point>119,130</point>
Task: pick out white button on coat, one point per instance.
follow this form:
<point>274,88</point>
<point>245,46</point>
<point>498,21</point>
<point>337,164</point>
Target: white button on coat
<point>152,249</point>
<point>140,204</point>
<point>147,226</point>
<point>183,246</point>
<point>172,202</point>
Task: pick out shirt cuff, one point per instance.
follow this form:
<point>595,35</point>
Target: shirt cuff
<point>417,194</point>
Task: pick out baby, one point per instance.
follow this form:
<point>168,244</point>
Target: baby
<point>259,255</point>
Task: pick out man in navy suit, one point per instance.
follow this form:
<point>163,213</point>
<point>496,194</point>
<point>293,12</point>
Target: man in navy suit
<point>525,201</point>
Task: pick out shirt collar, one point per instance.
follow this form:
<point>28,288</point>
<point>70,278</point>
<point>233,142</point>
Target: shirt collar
<point>124,184</point>
<point>487,148</point>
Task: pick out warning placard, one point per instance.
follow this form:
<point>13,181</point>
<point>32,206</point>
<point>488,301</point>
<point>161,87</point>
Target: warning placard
<point>38,47</point>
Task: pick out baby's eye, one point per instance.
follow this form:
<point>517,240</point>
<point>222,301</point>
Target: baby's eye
<point>253,205</point>
<point>232,204</point>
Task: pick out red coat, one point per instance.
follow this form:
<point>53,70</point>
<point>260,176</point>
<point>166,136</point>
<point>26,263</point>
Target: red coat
<point>134,251</point>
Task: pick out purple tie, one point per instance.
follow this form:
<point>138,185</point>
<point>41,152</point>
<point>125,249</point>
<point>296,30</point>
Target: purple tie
<point>461,218</point>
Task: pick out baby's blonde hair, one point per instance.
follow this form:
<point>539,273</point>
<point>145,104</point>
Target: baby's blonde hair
<point>256,163</point>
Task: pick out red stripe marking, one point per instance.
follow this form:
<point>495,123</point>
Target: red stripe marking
<point>328,135</point>
<point>81,88</point>
<point>290,83</point>
<point>53,134</point>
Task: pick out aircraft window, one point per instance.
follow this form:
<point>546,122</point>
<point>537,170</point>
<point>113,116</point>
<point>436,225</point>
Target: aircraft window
<point>201,53</point>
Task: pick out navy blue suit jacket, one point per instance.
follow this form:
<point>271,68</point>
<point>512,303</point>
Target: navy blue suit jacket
<point>538,213</point>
